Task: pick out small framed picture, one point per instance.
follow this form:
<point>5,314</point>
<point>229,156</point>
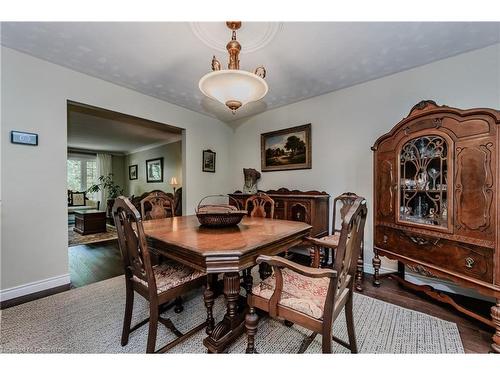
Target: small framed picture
<point>154,170</point>
<point>132,172</point>
<point>208,164</point>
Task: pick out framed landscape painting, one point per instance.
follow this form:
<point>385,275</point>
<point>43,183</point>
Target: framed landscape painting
<point>154,170</point>
<point>286,149</point>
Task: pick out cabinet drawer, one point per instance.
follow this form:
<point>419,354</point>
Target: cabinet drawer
<point>470,260</point>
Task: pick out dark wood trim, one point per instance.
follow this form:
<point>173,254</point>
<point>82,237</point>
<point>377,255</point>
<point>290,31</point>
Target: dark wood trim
<point>33,296</point>
<point>118,116</point>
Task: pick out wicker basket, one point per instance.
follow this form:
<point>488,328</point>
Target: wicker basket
<point>218,215</point>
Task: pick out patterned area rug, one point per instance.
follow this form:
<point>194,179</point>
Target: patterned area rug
<point>75,239</point>
<point>89,320</point>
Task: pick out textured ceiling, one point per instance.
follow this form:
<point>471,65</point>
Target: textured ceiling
<point>89,132</point>
<point>303,59</point>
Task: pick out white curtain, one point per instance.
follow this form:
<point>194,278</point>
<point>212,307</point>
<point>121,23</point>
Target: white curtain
<point>104,167</point>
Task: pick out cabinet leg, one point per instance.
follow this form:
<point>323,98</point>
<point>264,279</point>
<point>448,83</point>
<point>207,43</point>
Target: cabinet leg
<point>376,268</point>
<point>495,316</point>
<point>359,274</point>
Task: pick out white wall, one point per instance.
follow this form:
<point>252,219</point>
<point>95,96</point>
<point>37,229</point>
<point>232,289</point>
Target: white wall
<point>172,167</point>
<point>33,98</point>
<point>346,123</point>
<point>118,170</point>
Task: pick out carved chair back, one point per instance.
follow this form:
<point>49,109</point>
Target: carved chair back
<point>259,202</point>
<point>157,205</point>
<point>348,250</point>
<point>132,241</point>
<point>347,199</point>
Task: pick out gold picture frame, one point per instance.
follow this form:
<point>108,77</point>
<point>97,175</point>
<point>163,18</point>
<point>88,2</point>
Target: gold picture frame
<point>286,149</point>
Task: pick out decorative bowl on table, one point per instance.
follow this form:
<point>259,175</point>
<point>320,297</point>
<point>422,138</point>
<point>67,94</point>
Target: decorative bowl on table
<point>219,215</point>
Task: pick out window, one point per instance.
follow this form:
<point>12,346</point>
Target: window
<point>82,171</point>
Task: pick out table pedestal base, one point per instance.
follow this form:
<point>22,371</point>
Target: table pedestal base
<point>233,323</point>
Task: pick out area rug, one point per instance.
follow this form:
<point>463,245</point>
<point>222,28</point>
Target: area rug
<point>75,239</point>
<point>89,320</point>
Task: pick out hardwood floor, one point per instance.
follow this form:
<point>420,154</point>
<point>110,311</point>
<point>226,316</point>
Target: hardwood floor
<point>476,337</point>
<point>94,262</point>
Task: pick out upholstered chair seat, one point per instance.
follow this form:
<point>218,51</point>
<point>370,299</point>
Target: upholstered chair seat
<point>301,293</point>
<point>170,274</point>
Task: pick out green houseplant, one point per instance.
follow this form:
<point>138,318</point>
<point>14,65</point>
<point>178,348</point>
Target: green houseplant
<point>107,184</point>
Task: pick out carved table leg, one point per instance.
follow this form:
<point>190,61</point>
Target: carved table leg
<point>376,267</point>
<point>495,316</point>
<point>232,325</point>
<point>265,271</point>
<point>178,305</point>
<point>248,280</point>
<point>208,297</point>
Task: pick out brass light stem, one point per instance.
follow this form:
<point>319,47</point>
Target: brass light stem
<point>233,47</point>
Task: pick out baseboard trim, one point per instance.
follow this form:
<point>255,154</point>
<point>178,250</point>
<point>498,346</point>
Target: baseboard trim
<point>36,287</point>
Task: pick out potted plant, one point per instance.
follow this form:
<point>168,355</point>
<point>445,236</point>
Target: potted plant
<point>107,184</point>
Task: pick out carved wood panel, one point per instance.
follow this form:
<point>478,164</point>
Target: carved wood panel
<point>474,189</point>
<point>385,187</point>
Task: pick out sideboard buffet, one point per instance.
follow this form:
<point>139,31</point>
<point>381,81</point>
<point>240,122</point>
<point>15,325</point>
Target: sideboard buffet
<point>311,207</point>
<point>436,201</point>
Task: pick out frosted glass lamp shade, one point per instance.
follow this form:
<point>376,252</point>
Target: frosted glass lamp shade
<point>173,181</point>
<point>233,88</point>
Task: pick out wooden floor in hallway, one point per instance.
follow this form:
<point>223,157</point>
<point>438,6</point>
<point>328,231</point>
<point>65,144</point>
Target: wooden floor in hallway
<point>94,262</point>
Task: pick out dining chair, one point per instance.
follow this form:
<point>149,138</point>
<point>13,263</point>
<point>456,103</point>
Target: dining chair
<point>157,205</point>
<point>158,284</point>
<point>332,241</point>
<point>312,297</point>
<point>256,205</point>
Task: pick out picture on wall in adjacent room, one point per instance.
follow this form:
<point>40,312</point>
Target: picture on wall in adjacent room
<point>286,149</point>
<point>154,170</point>
<point>208,164</point>
<point>132,172</point>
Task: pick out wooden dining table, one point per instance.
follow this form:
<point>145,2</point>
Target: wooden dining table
<point>228,251</point>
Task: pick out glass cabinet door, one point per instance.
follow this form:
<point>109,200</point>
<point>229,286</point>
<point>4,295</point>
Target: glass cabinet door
<point>423,187</point>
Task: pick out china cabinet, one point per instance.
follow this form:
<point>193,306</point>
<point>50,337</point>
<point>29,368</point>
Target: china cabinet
<point>436,177</point>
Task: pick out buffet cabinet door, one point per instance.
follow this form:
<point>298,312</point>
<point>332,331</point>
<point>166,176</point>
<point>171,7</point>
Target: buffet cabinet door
<point>475,195</point>
<point>385,182</point>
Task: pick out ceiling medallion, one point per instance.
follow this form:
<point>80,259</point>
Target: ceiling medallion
<point>257,35</point>
<point>233,87</point>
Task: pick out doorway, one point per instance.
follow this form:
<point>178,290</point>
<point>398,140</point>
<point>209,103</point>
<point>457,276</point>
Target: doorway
<point>112,154</point>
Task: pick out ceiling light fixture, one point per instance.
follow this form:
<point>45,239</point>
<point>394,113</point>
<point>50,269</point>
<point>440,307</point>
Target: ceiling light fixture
<point>234,87</point>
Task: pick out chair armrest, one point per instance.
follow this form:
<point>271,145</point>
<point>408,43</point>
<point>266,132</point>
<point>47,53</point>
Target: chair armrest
<point>320,242</point>
<point>313,241</point>
<point>276,261</point>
